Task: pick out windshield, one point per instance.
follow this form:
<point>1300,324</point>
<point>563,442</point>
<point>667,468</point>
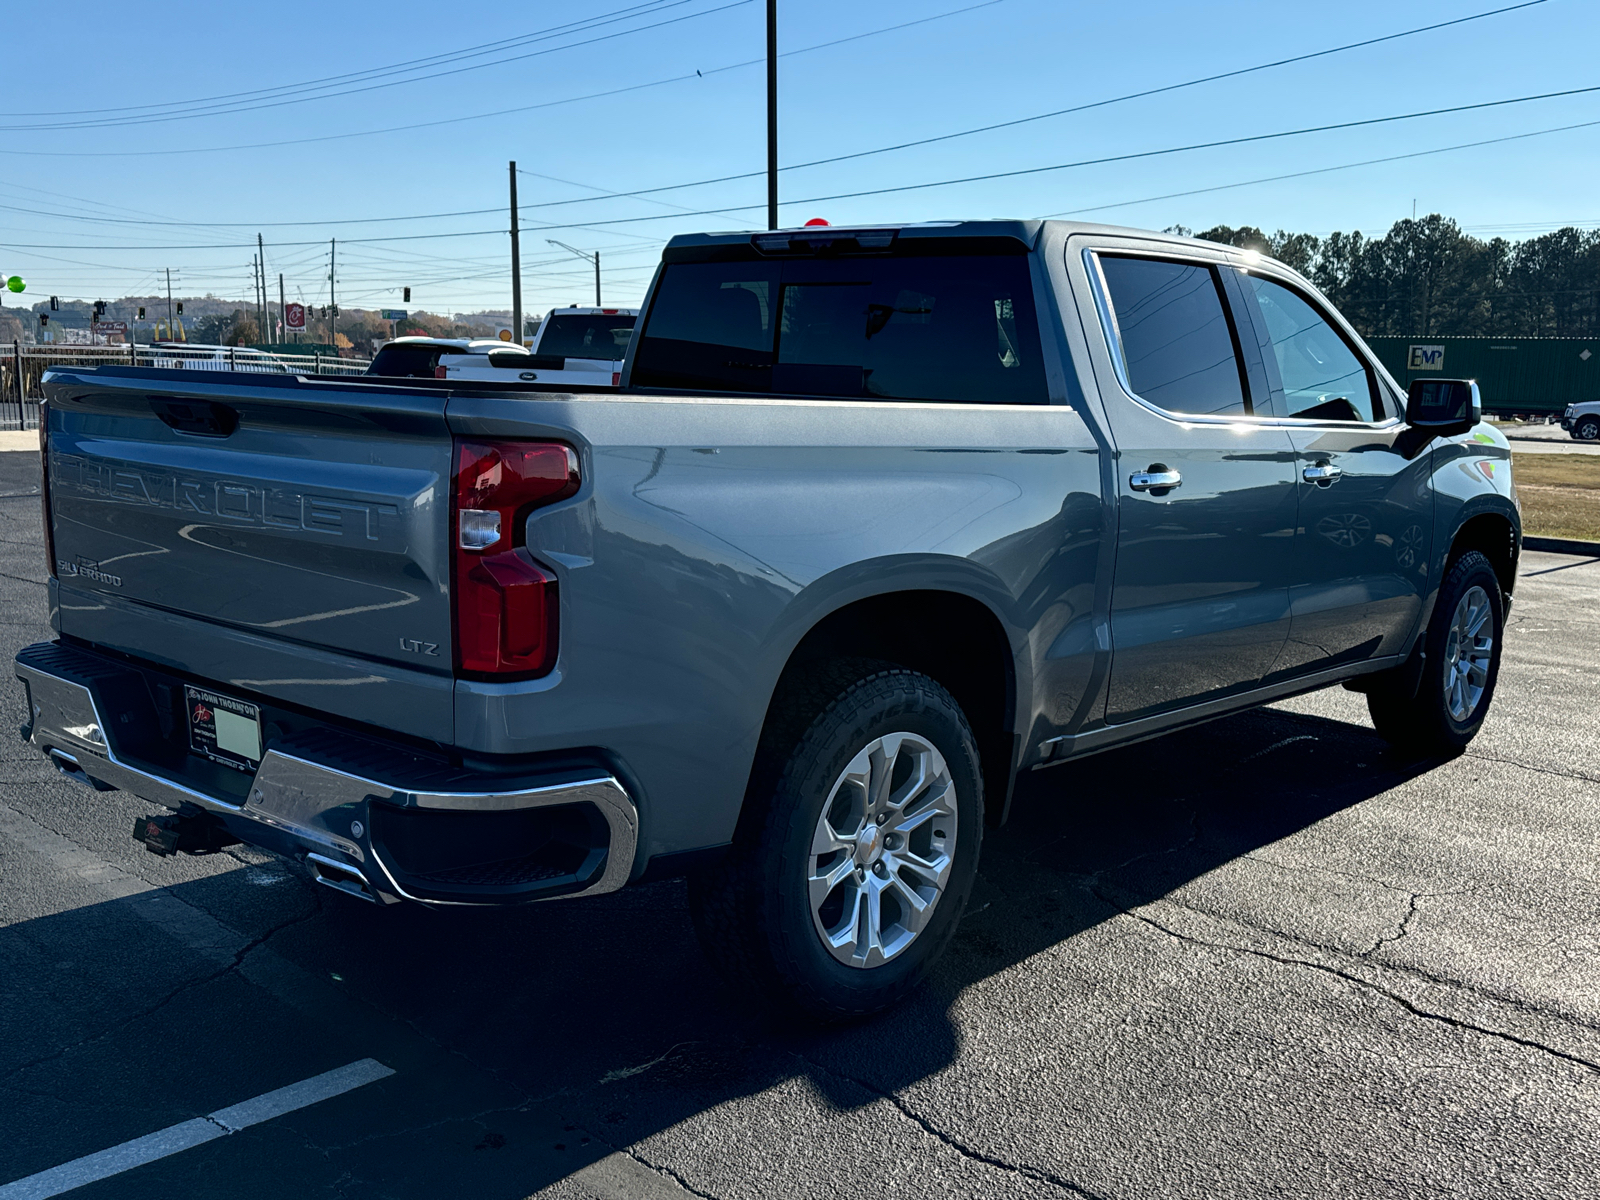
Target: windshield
<point>587,335</point>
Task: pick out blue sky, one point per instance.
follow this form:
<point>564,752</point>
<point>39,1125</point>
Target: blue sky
<point>993,62</point>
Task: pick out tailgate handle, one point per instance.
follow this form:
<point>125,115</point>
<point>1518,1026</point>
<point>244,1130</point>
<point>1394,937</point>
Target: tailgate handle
<point>204,418</point>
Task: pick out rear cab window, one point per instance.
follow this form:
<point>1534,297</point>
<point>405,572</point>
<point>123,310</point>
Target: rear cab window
<point>413,360</point>
<point>891,326</point>
<point>587,335</point>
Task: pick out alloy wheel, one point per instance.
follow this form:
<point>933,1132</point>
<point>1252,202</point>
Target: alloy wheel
<point>1467,654</point>
<point>882,851</point>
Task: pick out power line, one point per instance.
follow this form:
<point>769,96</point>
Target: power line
<point>237,107</point>
<point>1366,162</point>
<point>1211,145</point>
<point>988,176</point>
<point>1061,112</point>
<point>1136,155</point>
<point>484,47</point>
<point>500,112</point>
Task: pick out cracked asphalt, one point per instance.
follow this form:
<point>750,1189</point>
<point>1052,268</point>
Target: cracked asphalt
<point>1266,957</point>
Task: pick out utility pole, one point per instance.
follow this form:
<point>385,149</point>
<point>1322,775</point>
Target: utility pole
<point>597,279</point>
<point>772,115</point>
<point>333,304</point>
<point>266,306</point>
<point>283,305</point>
<point>516,264</point>
<point>169,303</point>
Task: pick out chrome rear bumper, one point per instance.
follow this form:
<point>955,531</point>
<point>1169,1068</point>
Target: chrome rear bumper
<point>309,804</point>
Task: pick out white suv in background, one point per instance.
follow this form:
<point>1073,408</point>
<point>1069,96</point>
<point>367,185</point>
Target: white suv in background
<point>1582,420</point>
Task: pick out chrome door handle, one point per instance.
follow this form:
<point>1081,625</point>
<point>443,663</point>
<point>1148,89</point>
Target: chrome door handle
<point>1323,474</point>
<point>1154,480</point>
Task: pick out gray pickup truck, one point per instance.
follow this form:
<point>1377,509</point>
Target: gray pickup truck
<point>878,519</point>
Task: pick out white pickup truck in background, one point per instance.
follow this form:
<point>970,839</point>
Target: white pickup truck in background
<point>578,348</point>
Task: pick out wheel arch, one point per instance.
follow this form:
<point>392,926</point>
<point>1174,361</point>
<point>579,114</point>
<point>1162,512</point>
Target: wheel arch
<point>943,632</point>
<point>1497,534</point>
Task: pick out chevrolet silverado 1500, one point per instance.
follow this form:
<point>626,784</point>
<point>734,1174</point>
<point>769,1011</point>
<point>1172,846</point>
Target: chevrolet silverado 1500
<point>878,519</point>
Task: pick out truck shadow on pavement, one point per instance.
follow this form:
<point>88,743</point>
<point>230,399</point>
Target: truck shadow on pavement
<point>613,1005</point>
<point>532,1044</point>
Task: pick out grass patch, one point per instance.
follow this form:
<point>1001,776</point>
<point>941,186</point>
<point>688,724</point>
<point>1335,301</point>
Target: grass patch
<point>1560,494</point>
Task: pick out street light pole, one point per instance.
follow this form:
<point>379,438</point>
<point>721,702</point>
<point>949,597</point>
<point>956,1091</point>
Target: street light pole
<point>772,114</point>
<point>587,256</point>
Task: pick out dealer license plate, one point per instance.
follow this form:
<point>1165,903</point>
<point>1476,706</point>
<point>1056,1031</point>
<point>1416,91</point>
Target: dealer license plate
<point>223,729</point>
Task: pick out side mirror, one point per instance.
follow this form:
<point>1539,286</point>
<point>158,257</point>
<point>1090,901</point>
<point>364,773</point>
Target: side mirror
<point>1443,407</point>
<point>510,359</point>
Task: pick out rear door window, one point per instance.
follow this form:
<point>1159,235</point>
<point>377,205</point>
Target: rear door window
<point>587,335</point>
<point>1175,339</point>
<point>957,328</point>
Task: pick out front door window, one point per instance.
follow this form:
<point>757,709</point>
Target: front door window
<point>1313,371</point>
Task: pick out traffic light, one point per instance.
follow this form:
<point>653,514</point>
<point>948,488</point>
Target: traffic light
<point>44,319</point>
<point>408,295</point>
<point>55,304</point>
<point>180,308</point>
<point>141,312</point>
<point>336,310</point>
<point>99,309</point>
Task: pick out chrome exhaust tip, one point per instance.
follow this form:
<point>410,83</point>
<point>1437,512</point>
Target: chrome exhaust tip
<point>69,766</point>
<point>341,877</point>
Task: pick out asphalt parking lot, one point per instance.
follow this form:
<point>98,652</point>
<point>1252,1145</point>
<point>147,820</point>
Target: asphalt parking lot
<point>1262,958</point>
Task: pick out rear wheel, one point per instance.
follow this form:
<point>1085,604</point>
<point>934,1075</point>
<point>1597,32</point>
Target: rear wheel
<point>857,853</point>
<point>1461,665</point>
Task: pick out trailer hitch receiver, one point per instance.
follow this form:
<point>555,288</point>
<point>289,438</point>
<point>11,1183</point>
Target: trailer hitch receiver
<point>190,830</point>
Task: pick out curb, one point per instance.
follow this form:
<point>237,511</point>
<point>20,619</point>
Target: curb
<point>1562,546</point>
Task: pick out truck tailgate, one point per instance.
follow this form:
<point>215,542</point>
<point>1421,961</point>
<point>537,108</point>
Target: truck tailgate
<point>310,521</point>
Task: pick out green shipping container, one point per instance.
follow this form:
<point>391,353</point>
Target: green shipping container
<point>1522,375</point>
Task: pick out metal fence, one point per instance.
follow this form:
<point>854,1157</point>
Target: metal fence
<point>22,368</point>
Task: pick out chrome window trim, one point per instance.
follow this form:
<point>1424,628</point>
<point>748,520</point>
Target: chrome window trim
<point>1101,292</point>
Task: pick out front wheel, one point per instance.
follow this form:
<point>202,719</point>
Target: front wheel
<point>852,868</point>
<point>1460,667</point>
<point>1587,430</point>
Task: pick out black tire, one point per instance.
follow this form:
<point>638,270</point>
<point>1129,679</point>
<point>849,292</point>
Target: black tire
<point>1587,429</point>
<point>752,911</point>
<point>1423,723</point>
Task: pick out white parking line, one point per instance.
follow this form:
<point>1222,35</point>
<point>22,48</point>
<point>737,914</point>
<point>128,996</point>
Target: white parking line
<point>93,1167</point>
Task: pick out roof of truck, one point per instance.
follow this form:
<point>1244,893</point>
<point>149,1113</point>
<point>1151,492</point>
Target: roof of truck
<point>1026,232</point>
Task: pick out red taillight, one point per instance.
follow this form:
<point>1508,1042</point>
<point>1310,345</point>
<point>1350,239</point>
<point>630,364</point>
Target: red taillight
<point>616,379</point>
<point>440,373</point>
<point>505,603</point>
<point>44,486</point>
